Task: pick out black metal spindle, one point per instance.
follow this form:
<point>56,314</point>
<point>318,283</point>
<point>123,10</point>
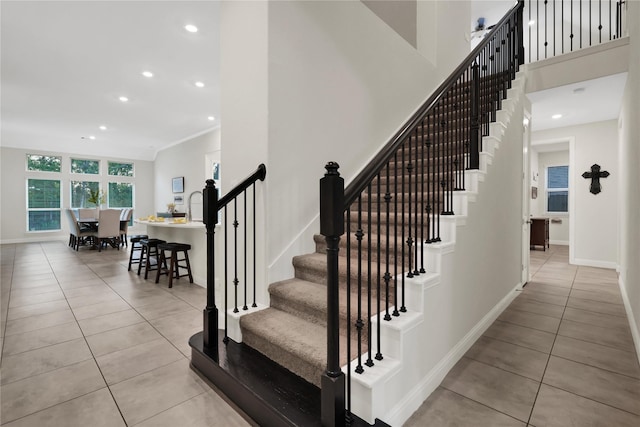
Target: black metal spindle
<point>349,318</point>
<point>546,43</point>
<point>359,323</point>
<point>369,361</point>
<point>379,258</point>
<point>422,195</point>
<point>254,246</point>
<point>235,254</point>
<point>245,307</point>
<point>417,204</point>
<point>226,276</point>
<point>387,274</point>
<point>409,235</point>
<point>581,28</point>
<point>537,30</point>
<point>571,33</point>
<point>599,21</point>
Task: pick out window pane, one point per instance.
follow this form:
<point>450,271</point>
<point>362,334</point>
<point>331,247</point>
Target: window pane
<point>558,201</point>
<point>558,177</point>
<point>43,193</point>
<point>80,192</point>
<point>44,220</point>
<point>120,195</point>
<point>120,169</point>
<point>36,162</point>
<point>85,166</point>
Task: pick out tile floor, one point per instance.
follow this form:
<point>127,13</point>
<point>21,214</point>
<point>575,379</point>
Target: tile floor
<point>84,342</point>
<point>560,355</point>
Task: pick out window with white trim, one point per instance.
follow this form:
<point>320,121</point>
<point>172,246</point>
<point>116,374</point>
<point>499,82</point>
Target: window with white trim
<point>44,202</point>
<point>558,189</point>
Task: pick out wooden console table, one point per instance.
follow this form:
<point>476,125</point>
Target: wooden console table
<point>539,233</point>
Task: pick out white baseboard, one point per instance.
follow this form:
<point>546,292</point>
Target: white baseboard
<point>594,263</point>
<point>36,239</point>
<point>415,397</point>
<point>635,333</point>
<point>559,242</point>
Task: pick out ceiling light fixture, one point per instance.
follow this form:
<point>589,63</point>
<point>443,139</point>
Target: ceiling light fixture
<point>211,118</point>
<point>124,99</point>
<point>532,23</point>
<point>92,137</point>
<point>103,127</point>
<point>147,74</point>
<point>556,116</point>
<point>199,84</point>
<point>191,28</point>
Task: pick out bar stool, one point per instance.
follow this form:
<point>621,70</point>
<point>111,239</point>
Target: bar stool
<point>149,251</point>
<point>174,261</point>
<point>136,247</point>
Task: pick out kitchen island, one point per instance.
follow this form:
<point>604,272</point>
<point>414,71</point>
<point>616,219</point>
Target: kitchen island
<point>193,233</point>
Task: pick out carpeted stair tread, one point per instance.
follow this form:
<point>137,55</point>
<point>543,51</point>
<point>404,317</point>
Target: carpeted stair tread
<point>308,300</point>
<point>298,345</point>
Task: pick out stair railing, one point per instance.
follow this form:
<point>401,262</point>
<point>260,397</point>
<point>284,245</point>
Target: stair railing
<point>556,27</point>
<point>211,209</point>
<point>394,205</point>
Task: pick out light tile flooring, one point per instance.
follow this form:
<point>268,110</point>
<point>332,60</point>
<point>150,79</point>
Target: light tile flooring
<point>85,342</point>
<point>560,355</point>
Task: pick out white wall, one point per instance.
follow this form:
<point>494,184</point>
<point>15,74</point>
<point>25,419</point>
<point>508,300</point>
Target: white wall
<point>13,212</point>
<point>188,159</point>
<point>399,15</point>
<point>304,83</point>
<point>593,235</point>
<point>558,232</point>
<point>629,200</point>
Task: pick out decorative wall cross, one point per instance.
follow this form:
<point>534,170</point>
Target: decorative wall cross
<point>595,176</point>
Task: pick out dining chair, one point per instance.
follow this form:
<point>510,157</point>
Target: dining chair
<point>108,228</point>
<point>77,235</point>
<point>125,218</point>
<point>87,213</point>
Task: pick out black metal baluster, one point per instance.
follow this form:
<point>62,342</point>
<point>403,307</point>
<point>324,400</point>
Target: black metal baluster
<point>387,274</point>
<point>571,34</point>
<point>581,28</point>
<point>349,318</point>
<point>545,29</point>
<point>369,361</point>
<point>395,241</point>
<point>379,256</point>
<point>417,205</point>
<point>254,246</point>
<point>359,322</point>
<point>599,21</point>
<point>610,20</point>
<point>245,307</point>
<point>235,253</point>
<point>537,30</point>
<point>409,235</point>
<point>554,27</point>
<point>562,25</point>
<point>402,252</point>
<point>226,278</point>
<point>422,211</point>
<point>529,25</point>
<point>430,201</point>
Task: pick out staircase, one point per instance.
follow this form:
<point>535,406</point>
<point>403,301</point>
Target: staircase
<point>352,321</point>
<point>292,331</point>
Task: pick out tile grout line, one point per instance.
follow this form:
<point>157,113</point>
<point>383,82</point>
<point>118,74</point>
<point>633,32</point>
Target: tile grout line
<point>550,352</point>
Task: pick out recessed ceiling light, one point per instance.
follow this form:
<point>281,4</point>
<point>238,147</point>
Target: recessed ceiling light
<point>191,28</point>
<point>211,118</point>
<point>556,116</point>
<point>147,74</point>
<point>199,84</point>
<point>92,137</point>
<point>123,99</point>
<point>532,22</point>
<point>103,127</point>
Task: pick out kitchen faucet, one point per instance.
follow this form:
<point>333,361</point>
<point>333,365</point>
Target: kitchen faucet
<point>189,216</point>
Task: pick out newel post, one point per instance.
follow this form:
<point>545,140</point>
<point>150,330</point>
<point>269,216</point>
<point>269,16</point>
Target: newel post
<point>210,328</point>
<point>332,227</point>
<point>474,131</point>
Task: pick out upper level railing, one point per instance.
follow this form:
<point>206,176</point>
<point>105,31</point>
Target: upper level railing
<point>555,27</point>
<point>212,208</point>
<point>394,206</point>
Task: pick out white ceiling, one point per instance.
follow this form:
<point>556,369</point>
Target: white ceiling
<point>65,64</point>
<point>599,100</point>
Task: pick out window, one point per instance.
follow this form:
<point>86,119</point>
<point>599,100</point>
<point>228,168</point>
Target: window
<point>85,166</point>
<point>558,189</point>
<point>120,195</point>
<point>120,169</point>
<point>37,162</point>
<point>44,202</point>
<point>81,192</point>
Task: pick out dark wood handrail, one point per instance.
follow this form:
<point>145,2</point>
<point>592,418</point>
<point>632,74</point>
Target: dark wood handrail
<point>367,175</point>
<point>259,174</point>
